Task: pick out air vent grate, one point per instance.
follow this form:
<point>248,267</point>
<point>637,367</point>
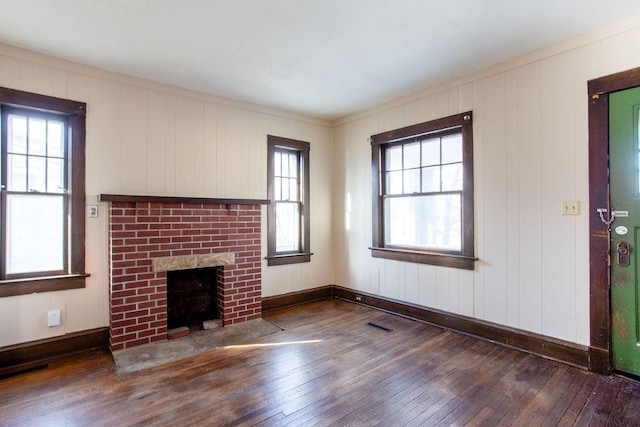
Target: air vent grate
<point>380,327</point>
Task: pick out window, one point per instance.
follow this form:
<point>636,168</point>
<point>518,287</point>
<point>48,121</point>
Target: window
<point>423,193</point>
<point>288,192</point>
<point>42,199</point>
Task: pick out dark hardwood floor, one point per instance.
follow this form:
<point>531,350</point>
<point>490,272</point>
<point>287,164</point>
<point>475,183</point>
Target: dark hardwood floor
<point>328,367</point>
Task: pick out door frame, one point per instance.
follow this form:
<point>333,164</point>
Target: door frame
<point>599,240</point>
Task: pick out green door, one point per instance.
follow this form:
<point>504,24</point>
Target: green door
<point>624,151</point>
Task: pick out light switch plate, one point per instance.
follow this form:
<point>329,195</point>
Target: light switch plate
<point>571,207</point>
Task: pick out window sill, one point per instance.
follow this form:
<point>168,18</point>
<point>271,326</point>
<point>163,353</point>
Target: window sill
<point>432,258</point>
<point>13,287</point>
<point>288,259</point>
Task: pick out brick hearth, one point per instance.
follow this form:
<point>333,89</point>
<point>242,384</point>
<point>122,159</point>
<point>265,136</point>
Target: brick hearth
<point>178,236</point>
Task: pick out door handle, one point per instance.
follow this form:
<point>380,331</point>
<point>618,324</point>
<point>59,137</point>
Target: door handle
<point>624,249</point>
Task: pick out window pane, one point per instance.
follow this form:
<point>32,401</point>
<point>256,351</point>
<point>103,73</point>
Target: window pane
<point>35,233</point>
<point>431,179</point>
<point>412,155</point>
<point>37,174</point>
<point>55,175</point>
<point>286,189</point>
<point>54,139</point>
<point>17,137</point>
<point>431,152</point>
<point>17,172</point>
<point>293,165</point>
<point>425,222</point>
<point>287,227</point>
<point>393,156</point>
<point>37,137</point>
<point>285,164</point>
<point>452,177</point>
<point>452,148</point>
<point>277,183</point>
<point>394,182</point>
<point>293,189</point>
<point>277,163</point>
<point>412,181</point>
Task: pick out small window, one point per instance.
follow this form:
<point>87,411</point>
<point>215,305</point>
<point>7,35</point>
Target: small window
<point>288,192</point>
<point>423,203</point>
<point>42,200</point>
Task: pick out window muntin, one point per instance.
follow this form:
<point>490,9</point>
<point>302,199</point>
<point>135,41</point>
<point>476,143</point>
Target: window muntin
<point>42,166</point>
<point>423,203</point>
<point>288,191</point>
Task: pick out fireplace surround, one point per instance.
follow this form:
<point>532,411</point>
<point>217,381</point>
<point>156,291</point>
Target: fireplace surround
<point>149,236</point>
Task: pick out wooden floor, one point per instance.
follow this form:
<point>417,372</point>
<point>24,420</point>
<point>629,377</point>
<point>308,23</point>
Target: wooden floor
<point>328,367</point>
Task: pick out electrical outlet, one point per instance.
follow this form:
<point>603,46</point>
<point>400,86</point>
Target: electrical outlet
<point>571,207</point>
<point>92,211</point>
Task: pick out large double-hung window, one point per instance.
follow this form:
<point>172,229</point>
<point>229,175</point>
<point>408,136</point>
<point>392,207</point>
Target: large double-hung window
<point>37,201</point>
<point>42,199</point>
<point>423,198</point>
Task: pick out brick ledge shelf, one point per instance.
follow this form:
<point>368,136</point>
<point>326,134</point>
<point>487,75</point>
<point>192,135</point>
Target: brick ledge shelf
<point>148,230</point>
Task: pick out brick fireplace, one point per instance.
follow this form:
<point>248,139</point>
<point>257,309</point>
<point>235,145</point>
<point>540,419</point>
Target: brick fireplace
<point>152,235</point>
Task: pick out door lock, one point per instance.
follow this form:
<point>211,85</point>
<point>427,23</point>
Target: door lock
<point>624,249</point>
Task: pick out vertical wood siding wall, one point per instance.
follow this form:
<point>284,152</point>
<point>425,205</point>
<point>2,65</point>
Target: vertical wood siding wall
<point>530,148</point>
<point>150,139</point>
<point>530,136</point>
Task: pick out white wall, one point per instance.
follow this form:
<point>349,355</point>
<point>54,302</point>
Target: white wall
<point>150,139</point>
<point>531,153</point>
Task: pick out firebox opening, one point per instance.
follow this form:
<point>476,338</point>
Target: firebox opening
<point>192,297</point>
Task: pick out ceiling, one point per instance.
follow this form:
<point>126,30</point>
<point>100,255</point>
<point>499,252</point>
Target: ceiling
<point>322,58</point>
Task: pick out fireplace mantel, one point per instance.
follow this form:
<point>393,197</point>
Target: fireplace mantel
<point>178,199</point>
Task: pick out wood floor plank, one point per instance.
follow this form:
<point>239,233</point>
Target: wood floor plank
<point>327,367</point>
<point>382,381</point>
<point>579,400</point>
<point>527,384</point>
<point>600,402</point>
<point>623,401</point>
<point>575,379</point>
<point>541,404</point>
<point>632,409</point>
